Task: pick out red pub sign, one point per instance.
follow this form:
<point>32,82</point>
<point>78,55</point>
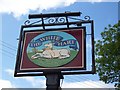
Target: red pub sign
<point>62,49</point>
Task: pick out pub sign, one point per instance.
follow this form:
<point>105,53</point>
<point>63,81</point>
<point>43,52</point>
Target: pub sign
<point>56,49</point>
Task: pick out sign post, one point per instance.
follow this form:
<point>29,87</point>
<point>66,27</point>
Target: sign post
<point>54,52</point>
<point>53,81</point>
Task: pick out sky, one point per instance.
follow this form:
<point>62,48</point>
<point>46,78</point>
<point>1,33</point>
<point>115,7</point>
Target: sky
<point>13,13</point>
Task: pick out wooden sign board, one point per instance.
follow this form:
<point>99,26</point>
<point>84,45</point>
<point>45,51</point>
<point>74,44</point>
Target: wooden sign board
<point>55,49</point>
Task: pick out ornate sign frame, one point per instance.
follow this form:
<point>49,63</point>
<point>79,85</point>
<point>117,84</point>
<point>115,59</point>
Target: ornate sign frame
<point>31,37</point>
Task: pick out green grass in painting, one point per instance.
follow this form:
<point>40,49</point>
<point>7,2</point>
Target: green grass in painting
<point>53,62</point>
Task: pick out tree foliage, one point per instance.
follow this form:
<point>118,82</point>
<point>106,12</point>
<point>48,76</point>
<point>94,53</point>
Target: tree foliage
<point>107,51</point>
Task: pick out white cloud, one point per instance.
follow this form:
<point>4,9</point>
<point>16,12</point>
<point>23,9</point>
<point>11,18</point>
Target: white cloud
<point>21,7</point>
<point>98,1</point>
<point>5,84</point>
<point>95,0</point>
<point>10,72</point>
<point>86,84</point>
<point>40,82</point>
<point>36,82</point>
<point>0,45</point>
<point>88,43</point>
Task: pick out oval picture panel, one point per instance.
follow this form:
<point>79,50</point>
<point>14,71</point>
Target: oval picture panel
<point>52,49</point>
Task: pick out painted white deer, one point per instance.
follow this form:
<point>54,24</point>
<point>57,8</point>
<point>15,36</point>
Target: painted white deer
<point>50,53</point>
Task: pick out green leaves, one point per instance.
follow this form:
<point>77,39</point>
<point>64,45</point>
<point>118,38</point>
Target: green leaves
<point>107,51</point>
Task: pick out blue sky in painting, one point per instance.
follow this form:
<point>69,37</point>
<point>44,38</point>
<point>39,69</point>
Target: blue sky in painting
<point>61,36</point>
